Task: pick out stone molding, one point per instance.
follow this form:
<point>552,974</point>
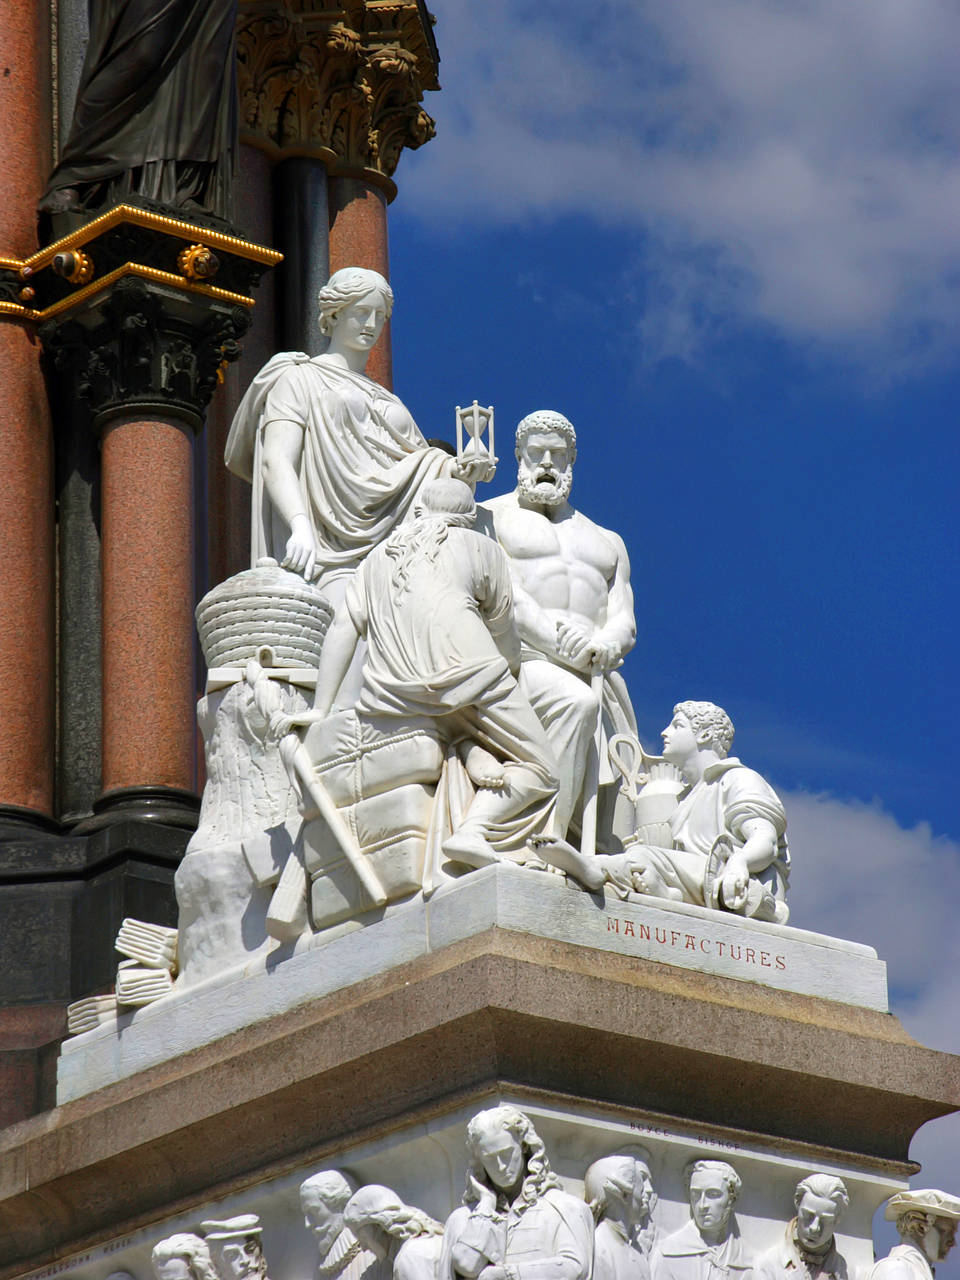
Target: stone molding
<point>500,1007</point>
<point>340,81</point>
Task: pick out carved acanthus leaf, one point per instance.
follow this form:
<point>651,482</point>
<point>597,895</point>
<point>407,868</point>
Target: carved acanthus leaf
<point>342,80</point>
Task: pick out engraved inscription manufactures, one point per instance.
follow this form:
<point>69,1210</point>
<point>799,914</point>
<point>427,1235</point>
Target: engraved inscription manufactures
<point>681,940</point>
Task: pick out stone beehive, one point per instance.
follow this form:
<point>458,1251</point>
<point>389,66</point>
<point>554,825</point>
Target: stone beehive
<point>264,608</point>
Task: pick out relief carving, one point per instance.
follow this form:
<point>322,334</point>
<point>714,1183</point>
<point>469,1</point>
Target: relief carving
<point>338,82</point>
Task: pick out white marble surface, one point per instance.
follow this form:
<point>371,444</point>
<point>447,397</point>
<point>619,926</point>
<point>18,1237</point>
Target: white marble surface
<point>425,1163</point>
<point>502,896</point>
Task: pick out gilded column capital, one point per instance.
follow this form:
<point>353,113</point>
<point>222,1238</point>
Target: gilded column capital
<point>342,80</point>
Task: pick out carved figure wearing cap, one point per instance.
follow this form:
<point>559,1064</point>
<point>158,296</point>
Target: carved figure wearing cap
<point>235,1247</point>
<point>808,1248</point>
<point>927,1223</point>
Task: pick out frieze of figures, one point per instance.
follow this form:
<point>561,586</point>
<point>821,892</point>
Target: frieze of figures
<point>517,1222</point>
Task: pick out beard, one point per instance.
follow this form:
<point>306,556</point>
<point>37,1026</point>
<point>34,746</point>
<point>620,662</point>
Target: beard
<point>543,486</point>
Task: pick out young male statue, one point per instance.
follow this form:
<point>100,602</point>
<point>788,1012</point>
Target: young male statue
<point>927,1224</point>
<point>323,1198</point>
<point>621,1197</point>
<point>709,1246</point>
<point>515,1223</point>
<point>808,1250</point>
<point>729,844</point>
<point>574,607</point>
<point>434,604</point>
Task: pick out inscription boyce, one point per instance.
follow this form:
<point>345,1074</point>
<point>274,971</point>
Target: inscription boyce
<point>653,1130</point>
<point>680,940</point>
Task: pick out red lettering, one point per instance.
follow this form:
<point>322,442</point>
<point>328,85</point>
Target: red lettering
<point>704,945</point>
<point>765,959</point>
<point>720,946</point>
<point>739,954</point>
<point>644,931</point>
<point>628,928</point>
<point>613,925</point>
<point>691,942</point>
<point>674,937</point>
<point>751,956</point>
<point>656,934</point>
<point>780,962</point>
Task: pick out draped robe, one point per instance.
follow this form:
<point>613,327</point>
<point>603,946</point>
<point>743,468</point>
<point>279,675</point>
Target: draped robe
<point>363,461</point>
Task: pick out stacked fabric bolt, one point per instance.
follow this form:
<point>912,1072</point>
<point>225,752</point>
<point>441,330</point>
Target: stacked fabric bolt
<point>153,945</point>
<point>138,986</point>
<point>84,1015</point>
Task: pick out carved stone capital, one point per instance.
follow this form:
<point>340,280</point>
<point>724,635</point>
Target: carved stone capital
<point>137,310</point>
<point>342,80</point>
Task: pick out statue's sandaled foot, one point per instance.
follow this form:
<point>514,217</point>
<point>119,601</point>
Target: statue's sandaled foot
<point>589,870</point>
<point>471,848</point>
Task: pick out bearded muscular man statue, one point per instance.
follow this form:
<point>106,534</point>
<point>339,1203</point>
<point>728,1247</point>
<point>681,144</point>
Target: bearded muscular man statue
<point>574,613</point>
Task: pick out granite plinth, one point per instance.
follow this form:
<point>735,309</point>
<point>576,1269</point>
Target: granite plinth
<point>501,1008</point>
<point>499,897</point>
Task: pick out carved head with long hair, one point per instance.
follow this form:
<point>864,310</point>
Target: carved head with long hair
<point>442,504</point>
<point>382,1222</point>
<point>505,1147</point>
<point>187,1250</point>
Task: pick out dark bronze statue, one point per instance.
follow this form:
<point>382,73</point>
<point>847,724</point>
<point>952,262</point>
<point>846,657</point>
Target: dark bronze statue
<point>156,111</point>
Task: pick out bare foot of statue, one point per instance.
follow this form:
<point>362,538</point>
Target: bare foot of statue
<point>588,869</point>
<point>471,848</point>
<point>484,769</point>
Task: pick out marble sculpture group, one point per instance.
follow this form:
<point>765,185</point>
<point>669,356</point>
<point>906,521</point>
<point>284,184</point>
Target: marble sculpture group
<point>408,684</point>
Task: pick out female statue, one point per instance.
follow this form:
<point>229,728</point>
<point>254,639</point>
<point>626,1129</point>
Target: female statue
<point>336,460</point>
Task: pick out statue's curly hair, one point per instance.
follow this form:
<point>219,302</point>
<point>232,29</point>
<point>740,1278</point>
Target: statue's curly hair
<point>539,1177</point>
<point>708,718</point>
<point>192,1249</point>
<point>374,1205</point>
<point>546,420</point>
<point>347,285</point>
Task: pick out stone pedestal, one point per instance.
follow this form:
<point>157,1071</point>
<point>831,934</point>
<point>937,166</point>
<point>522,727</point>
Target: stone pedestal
<point>324,1060</point>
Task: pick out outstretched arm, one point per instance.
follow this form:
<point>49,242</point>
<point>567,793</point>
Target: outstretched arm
<point>282,449</point>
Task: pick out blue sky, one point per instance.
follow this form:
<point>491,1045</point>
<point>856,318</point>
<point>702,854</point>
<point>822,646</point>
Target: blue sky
<point>723,237</point>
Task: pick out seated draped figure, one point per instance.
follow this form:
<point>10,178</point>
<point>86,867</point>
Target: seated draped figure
<point>574,612</point>
<point>727,830</point>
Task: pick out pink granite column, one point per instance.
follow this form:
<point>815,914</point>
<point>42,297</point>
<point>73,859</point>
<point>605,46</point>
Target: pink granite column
<point>358,238</point>
<point>148,599</point>
<point>228,497</point>
<point>27,675</point>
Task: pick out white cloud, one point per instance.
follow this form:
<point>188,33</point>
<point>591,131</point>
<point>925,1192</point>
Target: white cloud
<point>793,164</point>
